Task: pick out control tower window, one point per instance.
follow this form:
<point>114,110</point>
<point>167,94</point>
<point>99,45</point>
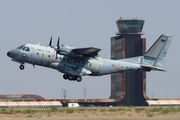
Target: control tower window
<point>130,25</point>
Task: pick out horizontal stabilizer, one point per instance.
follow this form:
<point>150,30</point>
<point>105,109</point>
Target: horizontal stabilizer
<point>152,68</point>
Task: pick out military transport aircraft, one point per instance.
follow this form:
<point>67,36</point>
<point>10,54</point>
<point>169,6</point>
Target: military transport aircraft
<point>77,62</point>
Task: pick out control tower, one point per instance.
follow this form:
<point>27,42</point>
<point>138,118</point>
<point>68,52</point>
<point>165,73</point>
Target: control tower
<point>130,87</point>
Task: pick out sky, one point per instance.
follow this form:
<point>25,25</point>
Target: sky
<point>83,23</point>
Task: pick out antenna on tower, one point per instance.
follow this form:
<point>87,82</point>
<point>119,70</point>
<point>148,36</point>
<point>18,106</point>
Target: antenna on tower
<point>84,92</point>
<point>64,93</point>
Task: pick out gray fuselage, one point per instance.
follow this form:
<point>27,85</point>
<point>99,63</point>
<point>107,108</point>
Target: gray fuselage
<point>46,56</point>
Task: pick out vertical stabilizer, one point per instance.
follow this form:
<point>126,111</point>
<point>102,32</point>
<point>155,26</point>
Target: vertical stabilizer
<point>156,55</point>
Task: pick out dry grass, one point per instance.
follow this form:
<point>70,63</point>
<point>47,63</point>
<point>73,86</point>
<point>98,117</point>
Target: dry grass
<point>117,113</point>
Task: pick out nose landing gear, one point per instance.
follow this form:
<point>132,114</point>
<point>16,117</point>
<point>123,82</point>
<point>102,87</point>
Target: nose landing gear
<point>21,67</point>
<point>72,77</point>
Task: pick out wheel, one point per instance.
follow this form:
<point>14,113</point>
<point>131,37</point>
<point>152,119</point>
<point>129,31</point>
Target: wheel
<point>65,76</point>
<point>78,78</point>
<point>74,78</point>
<point>21,67</point>
<point>70,77</point>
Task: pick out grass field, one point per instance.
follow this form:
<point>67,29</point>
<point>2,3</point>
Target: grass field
<point>116,113</point>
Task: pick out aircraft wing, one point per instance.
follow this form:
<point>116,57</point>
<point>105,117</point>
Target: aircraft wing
<point>80,52</point>
<point>89,51</point>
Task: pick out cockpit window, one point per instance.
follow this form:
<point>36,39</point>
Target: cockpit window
<point>20,47</point>
<point>24,48</point>
<point>27,49</point>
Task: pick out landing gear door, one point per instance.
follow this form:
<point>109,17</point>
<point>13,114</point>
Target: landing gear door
<point>95,66</point>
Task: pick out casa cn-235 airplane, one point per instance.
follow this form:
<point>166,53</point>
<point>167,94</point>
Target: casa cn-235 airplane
<point>77,62</point>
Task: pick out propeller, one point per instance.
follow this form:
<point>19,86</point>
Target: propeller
<point>57,49</point>
<point>58,43</point>
<point>50,41</point>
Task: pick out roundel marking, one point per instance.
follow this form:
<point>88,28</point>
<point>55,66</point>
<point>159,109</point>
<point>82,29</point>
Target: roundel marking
<point>118,66</point>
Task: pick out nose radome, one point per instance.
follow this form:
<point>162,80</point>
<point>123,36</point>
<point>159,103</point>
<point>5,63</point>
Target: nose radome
<point>8,54</point>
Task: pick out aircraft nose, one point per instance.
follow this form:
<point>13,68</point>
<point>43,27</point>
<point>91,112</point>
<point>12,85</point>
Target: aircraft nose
<point>8,54</point>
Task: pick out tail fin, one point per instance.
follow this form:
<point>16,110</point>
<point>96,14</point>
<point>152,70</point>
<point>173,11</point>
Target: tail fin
<point>156,55</point>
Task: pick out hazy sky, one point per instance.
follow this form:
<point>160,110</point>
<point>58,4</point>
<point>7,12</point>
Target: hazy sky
<point>83,23</point>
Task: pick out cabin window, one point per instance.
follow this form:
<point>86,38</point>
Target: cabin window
<point>37,53</point>
<point>79,61</point>
<point>75,60</point>
<point>64,59</point>
<point>49,56</point>
<point>60,58</point>
<point>67,59</point>
<point>82,62</point>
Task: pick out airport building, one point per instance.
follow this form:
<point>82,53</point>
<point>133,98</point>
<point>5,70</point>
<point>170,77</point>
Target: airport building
<point>30,104</point>
<point>27,101</point>
<point>21,97</point>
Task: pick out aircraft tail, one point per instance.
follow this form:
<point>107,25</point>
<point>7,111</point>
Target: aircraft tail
<point>155,56</point>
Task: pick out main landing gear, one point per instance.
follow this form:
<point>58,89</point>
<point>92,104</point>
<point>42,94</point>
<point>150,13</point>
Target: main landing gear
<point>21,67</point>
<point>72,77</point>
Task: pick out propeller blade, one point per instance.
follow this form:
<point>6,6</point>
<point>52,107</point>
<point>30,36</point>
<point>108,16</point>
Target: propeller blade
<point>56,54</point>
<point>57,46</point>
<point>50,41</point>
<point>58,43</point>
